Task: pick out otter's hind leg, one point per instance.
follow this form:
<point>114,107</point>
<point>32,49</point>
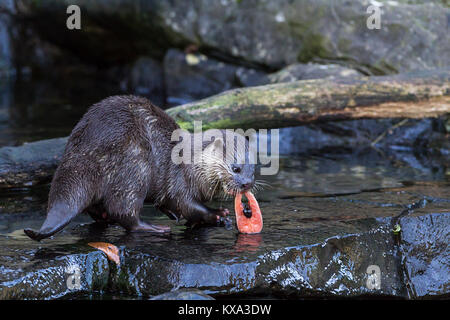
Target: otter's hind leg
<point>99,214</point>
<point>126,212</point>
<point>127,189</point>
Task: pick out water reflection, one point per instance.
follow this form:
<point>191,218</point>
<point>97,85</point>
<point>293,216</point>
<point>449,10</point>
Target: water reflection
<point>34,110</point>
<point>248,242</point>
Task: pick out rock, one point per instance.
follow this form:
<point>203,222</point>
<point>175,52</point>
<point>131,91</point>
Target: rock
<point>298,71</point>
<point>183,294</point>
<point>30,164</point>
<point>53,277</point>
<point>250,77</point>
<point>146,78</point>
<point>393,134</point>
<point>281,33</point>
<point>6,63</point>
<point>313,71</point>
<point>193,76</point>
<point>23,50</point>
<point>426,257</point>
<point>270,33</point>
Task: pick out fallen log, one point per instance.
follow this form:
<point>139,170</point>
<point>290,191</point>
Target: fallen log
<point>412,95</point>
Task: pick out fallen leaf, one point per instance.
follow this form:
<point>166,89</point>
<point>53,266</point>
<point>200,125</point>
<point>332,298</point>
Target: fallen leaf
<point>112,252</point>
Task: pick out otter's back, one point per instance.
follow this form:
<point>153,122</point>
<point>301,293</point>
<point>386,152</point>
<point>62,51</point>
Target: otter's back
<point>117,122</point>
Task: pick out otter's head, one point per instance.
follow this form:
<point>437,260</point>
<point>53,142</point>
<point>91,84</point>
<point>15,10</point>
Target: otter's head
<point>229,168</point>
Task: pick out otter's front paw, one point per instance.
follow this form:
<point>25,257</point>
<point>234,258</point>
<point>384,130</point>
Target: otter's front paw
<point>222,212</point>
<point>225,222</point>
<point>222,219</point>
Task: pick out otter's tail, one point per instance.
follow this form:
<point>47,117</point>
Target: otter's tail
<point>57,218</point>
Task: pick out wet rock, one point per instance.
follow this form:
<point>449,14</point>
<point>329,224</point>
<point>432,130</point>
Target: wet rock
<point>25,50</point>
<point>30,164</point>
<point>313,71</point>
<point>281,33</point>
<point>183,294</point>
<point>53,277</point>
<point>274,34</point>
<point>146,78</point>
<point>426,257</point>
<point>337,267</point>
<point>410,134</point>
<point>6,63</point>
<point>392,135</point>
<point>299,71</point>
<point>250,77</point>
<point>193,76</point>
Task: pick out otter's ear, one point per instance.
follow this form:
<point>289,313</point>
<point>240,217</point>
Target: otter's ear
<point>218,144</point>
<point>215,147</point>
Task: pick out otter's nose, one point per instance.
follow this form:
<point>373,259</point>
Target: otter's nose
<point>246,186</point>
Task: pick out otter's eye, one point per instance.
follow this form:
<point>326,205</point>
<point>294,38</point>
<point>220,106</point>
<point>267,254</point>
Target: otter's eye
<point>236,169</point>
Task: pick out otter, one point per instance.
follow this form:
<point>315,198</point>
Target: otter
<point>119,155</point>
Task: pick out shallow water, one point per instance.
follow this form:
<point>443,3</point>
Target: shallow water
<point>306,196</point>
<point>35,110</point>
